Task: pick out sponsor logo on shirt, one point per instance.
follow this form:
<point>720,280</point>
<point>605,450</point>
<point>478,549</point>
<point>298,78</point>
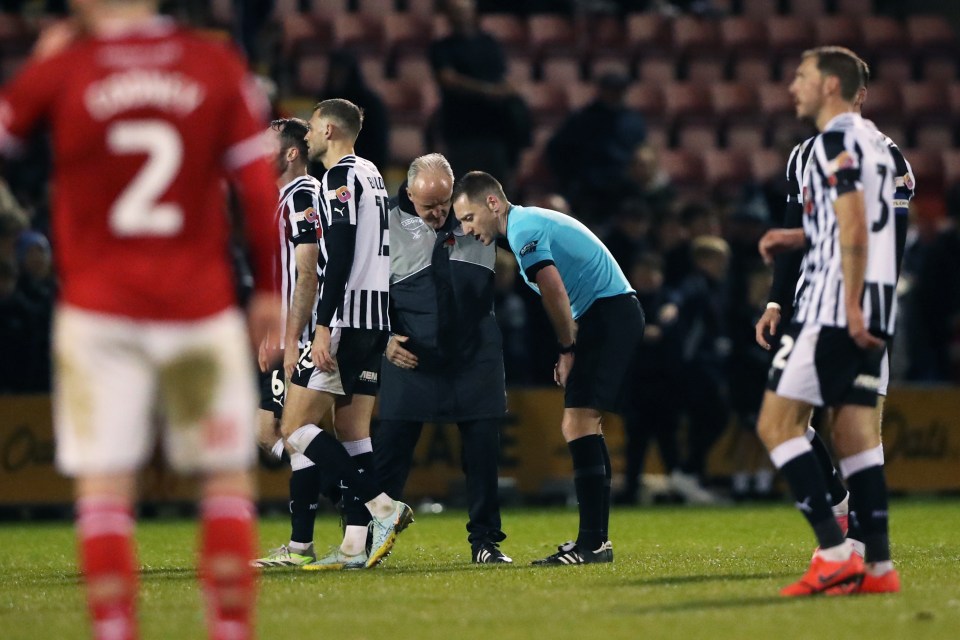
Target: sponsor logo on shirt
<point>528,248</point>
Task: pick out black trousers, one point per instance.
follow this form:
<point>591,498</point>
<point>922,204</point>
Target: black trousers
<point>394,443</point>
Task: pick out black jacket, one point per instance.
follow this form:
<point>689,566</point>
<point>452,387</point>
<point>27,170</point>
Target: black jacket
<point>441,297</point>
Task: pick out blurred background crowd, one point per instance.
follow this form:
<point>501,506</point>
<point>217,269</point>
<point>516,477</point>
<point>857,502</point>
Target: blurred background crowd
<point>663,125</point>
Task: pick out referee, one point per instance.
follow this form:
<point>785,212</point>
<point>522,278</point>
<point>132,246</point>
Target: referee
<point>599,325</point>
<point>444,361</point>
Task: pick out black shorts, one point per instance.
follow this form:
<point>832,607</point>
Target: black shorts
<point>272,390</point>
<point>608,335</point>
<point>357,352</point>
<point>824,367</point>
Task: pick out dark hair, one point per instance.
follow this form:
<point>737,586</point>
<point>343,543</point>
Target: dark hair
<point>348,115</point>
<point>476,185</point>
<point>845,65</point>
<point>292,132</point>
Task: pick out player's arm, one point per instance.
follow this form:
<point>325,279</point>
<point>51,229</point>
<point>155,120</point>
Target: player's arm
<point>904,186</point>
<point>556,303</point>
<point>340,241</point>
<point>301,307</point>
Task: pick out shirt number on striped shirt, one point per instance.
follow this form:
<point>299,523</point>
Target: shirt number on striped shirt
<point>136,211</point>
<point>384,226</point>
<point>884,207</point>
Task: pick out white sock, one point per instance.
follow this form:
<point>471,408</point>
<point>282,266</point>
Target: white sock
<point>354,540</point>
<point>740,482</point>
<point>843,507</point>
<point>839,553</point>
<point>763,481</point>
<point>877,569</point>
<point>382,506</point>
<point>356,447</point>
<point>300,546</point>
<point>300,439</point>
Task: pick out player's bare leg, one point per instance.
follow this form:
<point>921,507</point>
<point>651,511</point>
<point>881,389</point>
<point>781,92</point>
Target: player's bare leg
<point>108,559</point>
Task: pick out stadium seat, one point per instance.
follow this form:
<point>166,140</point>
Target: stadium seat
<point>221,11</point>
<point>837,30</point>
<point>579,94</point>
<point>933,135</point>
<point>657,68</point>
<point>425,8</point>
<point>930,33</point>
<point>732,100</point>
<point>441,26</point>
<point>547,102</point>
<point>726,168</point>
<point>786,69</point>
<point>647,98</point>
<point>405,101</point>
<point>789,35</point>
<point>950,160</point>
<point>695,35</point>
<point>300,35</point>
<point>705,68</point>
<point>648,32</point>
<point>775,99</point>
<point>744,136</point>
<point>382,8</point>
<point>856,8</point>
<point>406,143</point>
<point>883,101</point>
<point>928,168</point>
<point>359,33</point>
<point>657,136</point>
<point>767,165</point>
<point>760,8</point>
<point>685,168</point>
<point>509,30</point>
<point>405,34</point>
<point>954,96</point>
<point>939,68</point>
<point>743,35</point>
<point>561,69</point>
<point>892,67</point>
<point>695,136</point>
<point>327,9</point>
<point>686,101</point>
<point>811,9</point>
<point>413,68</point>
<point>751,69</point>
<point>372,69</point>
<point>520,69</point>
<point>608,63</point>
<point>924,100</point>
<point>605,34</point>
<point>311,74</point>
<point>882,35</point>
<point>285,8</point>
<point>549,33</point>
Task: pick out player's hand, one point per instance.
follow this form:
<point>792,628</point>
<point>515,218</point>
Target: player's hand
<point>56,37</point>
<point>859,332</point>
<point>291,355</point>
<point>263,317</point>
<point>561,370</point>
<point>767,325</point>
<point>321,350</point>
<point>263,355</point>
<point>398,356</point>
<point>777,241</point>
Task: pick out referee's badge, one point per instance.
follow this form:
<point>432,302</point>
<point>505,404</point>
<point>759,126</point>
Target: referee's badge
<point>528,248</point>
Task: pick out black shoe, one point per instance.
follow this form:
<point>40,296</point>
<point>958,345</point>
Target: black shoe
<point>570,553</point>
<point>489,553</point>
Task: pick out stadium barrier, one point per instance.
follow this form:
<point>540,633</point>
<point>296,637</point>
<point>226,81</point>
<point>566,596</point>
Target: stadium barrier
<point>921,442</point>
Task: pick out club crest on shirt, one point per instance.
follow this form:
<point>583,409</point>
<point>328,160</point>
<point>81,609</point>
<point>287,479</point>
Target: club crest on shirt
<point>343,194</point>
<point>529,247</point>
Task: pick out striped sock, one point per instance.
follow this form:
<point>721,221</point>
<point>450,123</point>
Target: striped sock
<point>227,546</point>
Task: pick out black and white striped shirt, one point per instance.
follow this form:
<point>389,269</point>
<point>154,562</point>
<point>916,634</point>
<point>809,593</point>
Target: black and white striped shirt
<point>297,218</point>
<point>849,155</point>
<point>354,194</point>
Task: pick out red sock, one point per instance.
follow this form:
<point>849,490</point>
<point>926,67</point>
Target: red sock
<point>108,561</point>
<point>228,579</point>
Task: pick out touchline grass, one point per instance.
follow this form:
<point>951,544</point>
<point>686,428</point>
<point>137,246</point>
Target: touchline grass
<point>678,573</point>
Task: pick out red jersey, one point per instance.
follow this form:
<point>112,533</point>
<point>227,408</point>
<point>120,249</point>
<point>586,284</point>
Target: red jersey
<point>145,127</point>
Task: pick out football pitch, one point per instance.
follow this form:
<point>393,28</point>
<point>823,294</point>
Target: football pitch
<point>678,573</point>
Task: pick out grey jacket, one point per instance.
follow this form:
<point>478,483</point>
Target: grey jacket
<point>441,297</point>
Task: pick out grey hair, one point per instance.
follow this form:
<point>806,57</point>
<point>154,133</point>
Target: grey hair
<point>431,161</point>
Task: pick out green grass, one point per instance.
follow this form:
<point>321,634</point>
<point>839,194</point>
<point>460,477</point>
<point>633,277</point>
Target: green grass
<point>679,573</point>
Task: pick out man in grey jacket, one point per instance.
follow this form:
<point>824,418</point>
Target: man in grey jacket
<point>444,361</point>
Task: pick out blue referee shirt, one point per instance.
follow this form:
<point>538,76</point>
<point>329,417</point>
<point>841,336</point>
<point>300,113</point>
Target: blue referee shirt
<point>541,237</point>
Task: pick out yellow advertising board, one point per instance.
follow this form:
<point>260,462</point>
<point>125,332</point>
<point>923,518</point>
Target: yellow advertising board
<point>921,443</point>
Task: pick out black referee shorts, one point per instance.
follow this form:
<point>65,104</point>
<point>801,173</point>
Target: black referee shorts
<point>608,335</point>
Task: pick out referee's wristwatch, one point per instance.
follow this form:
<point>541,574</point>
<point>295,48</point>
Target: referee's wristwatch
<point>570,348</point>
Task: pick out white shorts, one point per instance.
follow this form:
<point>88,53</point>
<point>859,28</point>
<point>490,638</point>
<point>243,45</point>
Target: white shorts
<point>116,377</point>
<point>358,353</point>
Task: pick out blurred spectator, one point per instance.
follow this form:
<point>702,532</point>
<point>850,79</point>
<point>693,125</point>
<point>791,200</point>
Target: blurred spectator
<point>704,352</point>
<point>512,317</point>
<point>936,294</point>
<point>652,410</point>
<point>695,219</point>
<point>249,18</point>
<point>749,363</point>
<point>17,332</point>
<point>345,80</point>
<point>627,236</point>
<point>483,122</point>
<point>592,149</point>
<point>651,180</point>
<point>38,285</point>
<point>12,223</point>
